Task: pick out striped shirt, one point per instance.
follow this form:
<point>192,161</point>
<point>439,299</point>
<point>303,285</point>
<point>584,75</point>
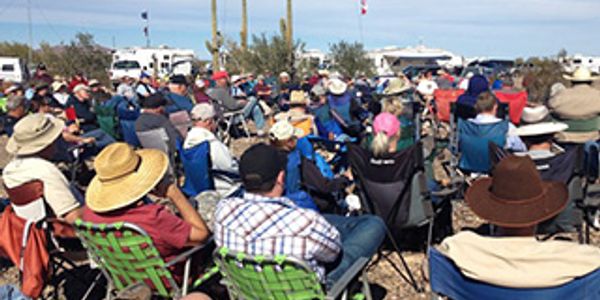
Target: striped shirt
<point>258,225</point>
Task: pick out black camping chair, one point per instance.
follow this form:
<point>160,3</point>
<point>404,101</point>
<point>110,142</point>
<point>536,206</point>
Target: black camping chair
<point>394,188</point>
<point>567,167</point>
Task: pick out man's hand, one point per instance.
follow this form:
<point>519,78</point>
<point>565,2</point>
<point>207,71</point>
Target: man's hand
<point>89,140</point>
<point>164,187</point>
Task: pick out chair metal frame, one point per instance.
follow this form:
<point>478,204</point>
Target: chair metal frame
<point>296,278</point>
<point>88,231</point>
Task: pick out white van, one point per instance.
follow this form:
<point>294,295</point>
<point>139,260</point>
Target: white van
<point>13,69</point>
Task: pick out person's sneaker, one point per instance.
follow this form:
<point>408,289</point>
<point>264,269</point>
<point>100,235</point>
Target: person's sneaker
<point>260,133</point>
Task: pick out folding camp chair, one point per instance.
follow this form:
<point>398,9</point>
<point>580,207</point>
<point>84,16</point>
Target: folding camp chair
<point>158,139</point>
<point>473,144</point>
<point>28,203</point>
<point>282,278</point>
<point>128,112</point>
<point>447,280</point>
<point>228,121</point>
<point>516,103</point>
<point>197,169</point>
<point>182,122</point>
<point>127,257</point>
<point>443,101</point>
<point>399,196</point>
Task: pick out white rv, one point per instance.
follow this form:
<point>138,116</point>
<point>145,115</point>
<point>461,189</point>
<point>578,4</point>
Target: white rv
<point>570,64</point>
<point>392,59</point>
<point>161,61</point>
<point>13,69</point>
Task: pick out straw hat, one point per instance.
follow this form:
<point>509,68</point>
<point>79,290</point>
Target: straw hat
<point>33,134</point>
<point>298,97</point>
<point>337,86</point>
<point>543,128</point>
<point>582,74</point>
<point>124,176</point>
<point>395,86</point>
<point>506,201</point>
<point>535,114</point>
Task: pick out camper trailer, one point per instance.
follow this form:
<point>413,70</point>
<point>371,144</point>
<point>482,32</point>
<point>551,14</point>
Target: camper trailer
<point>13,69</point>
<point>391,60</point>
<point>160,62</point>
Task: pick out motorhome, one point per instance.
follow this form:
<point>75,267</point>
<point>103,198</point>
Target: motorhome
<point>13,69</point>
<point>390,60</point>
<point>160,62</point>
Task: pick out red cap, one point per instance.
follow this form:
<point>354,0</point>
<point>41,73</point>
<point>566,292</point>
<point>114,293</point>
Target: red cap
<point>220,75</point>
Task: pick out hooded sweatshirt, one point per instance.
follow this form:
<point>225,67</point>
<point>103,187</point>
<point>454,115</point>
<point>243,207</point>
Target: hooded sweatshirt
<point>477,85</point>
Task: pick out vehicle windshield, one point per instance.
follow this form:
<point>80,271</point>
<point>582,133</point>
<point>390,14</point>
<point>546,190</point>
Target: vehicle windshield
<point>126,64</point>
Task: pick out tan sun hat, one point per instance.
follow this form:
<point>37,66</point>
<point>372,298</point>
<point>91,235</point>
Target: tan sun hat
<point>396,86</point>
<point>582,74</point>
<point>33,134</point>
<point>124,176</point>
<point>284,130</point>
<point>298,97</point>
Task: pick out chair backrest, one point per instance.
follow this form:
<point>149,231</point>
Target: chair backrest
<point>443,100</point>
<point>398,194</point>
<point>516,103</point>
<point>159,140</point>
<point>197,168</point>
<point>182,121</point>
<point>27,201</point>
<point>446,279</point>
<point>261,277</point>
<point>127,255</point>
<point>473,142</point>
<point>107,119</point>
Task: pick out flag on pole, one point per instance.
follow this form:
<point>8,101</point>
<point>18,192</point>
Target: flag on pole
<point>145,15</point>
<point>363,7</point>
<point>146,31</point>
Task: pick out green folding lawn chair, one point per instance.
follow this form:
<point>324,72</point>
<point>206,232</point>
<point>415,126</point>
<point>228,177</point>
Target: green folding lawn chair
<point>127,257</point>
<point>282,278</point>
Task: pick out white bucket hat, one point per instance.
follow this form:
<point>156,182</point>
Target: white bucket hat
<point>582,74</point>
<point>337,86</point>
<point>543,128</point>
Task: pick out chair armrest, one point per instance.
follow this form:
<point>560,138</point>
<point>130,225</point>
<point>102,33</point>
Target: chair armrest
<point>340,285</point>
<point>229,177</point>
<point>185,255</point>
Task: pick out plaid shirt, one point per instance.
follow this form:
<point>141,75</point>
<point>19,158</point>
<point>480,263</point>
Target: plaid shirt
<point>258,225</point>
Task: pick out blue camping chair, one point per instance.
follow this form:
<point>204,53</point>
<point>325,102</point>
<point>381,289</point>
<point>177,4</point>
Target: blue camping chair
<point>447,280</point>
<point>197,169</point>
<point>128,112</point>
<point>473,142</point>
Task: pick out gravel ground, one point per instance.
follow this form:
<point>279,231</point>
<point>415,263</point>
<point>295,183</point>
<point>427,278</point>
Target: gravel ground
<point>382,275</point>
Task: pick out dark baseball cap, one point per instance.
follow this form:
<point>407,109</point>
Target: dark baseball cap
<point>260,165</point>
<point>154,101</point>
<point>178,79</point>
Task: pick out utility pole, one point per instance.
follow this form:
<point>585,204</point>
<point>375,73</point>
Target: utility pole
<point>215,39</point>
<point>30,33</point>
<point>244,32</point>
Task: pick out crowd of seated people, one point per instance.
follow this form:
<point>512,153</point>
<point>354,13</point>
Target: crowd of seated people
<point>290,200</point>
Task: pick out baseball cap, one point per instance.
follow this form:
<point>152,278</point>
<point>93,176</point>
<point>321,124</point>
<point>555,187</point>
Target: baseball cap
<point>94,83</point>
<point>260,165</point>
<point>178,79</point>
<point>220,75</point>
<point>284,130</point>
<point>203,111</point>
<point>154,101</point>
<point>80,87</point>
<point>386,123</point>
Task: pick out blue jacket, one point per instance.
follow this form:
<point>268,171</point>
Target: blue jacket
<point>178,102</point>
<point>477,85</point>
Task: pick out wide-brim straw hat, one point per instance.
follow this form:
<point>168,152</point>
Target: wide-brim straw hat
<point>582,74</point>
<point>395,87</point>
<point>337,86</point>
<point>543,128</point>
<point>124,176</point>
<point>298,97</point>
<point>515,196</point>
<point>33,134</point>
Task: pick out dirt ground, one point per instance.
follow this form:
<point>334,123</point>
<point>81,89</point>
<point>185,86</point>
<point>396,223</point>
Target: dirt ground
<point>387,284</point>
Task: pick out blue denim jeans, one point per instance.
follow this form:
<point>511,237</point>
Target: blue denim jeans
<point>253,109</point>
<point>103,139</point>
<point>591,161</point>
<point>361,237</point>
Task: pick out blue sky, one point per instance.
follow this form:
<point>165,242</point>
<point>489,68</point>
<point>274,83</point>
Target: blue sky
<point>501,28</point>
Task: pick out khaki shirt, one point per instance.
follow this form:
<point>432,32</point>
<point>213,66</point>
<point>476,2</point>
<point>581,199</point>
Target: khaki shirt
<point>519,262</point>
<point>56,187</point>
